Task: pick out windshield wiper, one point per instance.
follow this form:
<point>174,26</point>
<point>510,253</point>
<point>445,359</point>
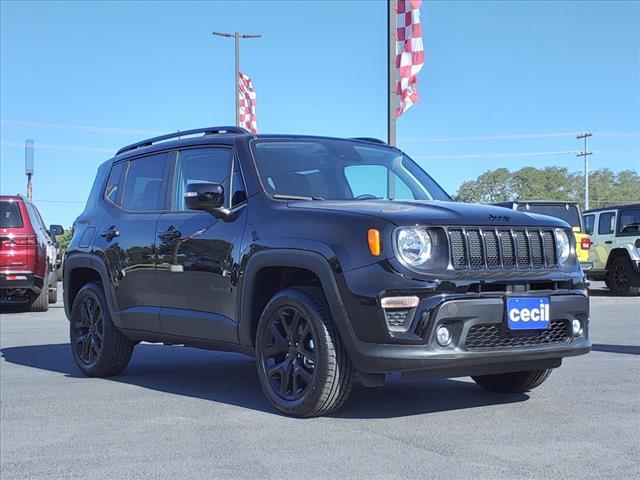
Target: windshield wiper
<point>281,196</point>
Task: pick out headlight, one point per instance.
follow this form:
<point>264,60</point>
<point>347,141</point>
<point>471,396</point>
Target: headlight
<point>414,246</point>
<point>563,246</point>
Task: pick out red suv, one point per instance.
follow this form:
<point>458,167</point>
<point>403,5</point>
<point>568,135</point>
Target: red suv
<point>26,273</point>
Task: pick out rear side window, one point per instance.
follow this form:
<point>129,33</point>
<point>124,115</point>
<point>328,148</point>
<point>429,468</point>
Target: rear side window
<point>113,190</point>
<point>606,223</point>
<point>34,216</point>
<point>144,182</point>
<point>589,221</point>
<point>10,216</point>
<point>629,223</point>
<point>201,165</point>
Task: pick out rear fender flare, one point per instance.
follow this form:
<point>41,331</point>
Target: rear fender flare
<point>91,262</point>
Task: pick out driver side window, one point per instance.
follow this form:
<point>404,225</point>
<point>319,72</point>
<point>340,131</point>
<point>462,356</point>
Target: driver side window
<point>201,165</point>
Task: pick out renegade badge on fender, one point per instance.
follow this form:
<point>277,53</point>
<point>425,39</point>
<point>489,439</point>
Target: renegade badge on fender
<point>325,258</point>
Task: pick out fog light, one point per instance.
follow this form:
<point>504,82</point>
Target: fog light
<point>443,335</point>
<point>576,327</point>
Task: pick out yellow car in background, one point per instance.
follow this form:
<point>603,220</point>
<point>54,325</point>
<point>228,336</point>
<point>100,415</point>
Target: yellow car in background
<point>567,211</point>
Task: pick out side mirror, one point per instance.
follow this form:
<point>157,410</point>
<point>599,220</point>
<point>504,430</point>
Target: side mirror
<point>56,230</point>
<point>205,196</point>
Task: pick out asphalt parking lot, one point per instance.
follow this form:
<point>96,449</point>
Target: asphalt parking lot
<point>187,413</point>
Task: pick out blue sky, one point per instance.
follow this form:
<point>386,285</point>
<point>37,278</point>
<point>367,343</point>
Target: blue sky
<point>493,69</point>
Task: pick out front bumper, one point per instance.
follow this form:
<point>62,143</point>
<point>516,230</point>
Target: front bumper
<point>461,313</point>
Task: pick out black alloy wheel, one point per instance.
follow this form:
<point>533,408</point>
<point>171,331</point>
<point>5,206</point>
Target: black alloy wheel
<point>303,367</point>
<point>289,354</point>
<point>622,279</point>
<point>619,276</point>
<point>98,347</point>
<point>89,331</point>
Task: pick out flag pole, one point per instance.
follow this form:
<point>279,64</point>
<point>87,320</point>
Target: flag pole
<point>237,79</point>
<point>391,72</point>
<point>236,82</point>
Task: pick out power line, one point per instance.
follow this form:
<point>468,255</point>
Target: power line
<point>492,155</point>
<point>73,148</point>
<point>518,136</point>
<point>110,150</point>
<point>81,128</point>
<point>78,202</point>
<point>130,131</point>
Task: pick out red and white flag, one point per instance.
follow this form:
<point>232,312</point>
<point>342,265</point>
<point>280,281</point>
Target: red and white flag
<point>247,103</point>
<point>409,52</point>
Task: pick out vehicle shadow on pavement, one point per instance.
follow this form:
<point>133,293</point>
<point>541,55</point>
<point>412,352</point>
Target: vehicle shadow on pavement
<point>231,378</point>
<point>628,349</point>
<point>602,292</point>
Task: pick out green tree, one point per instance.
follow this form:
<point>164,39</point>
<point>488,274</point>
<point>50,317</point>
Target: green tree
<point>64,239</point>
<point>491,186</point>
<point>552,183</point>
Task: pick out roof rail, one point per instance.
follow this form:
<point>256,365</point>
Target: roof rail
<point>161,138</point>
<point>370,139</point>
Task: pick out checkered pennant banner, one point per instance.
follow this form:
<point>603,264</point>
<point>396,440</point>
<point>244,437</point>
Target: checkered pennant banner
<point>409,53</point>
<point>247,103</point>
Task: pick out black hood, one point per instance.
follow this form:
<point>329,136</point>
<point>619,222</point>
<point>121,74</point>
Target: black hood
<point>424,212</point>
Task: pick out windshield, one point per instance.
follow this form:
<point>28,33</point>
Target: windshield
<point>328,169</point>
<point>567,212</point>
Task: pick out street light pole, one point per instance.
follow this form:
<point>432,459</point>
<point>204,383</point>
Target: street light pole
<point>29,169</point>
<point>236,36</point>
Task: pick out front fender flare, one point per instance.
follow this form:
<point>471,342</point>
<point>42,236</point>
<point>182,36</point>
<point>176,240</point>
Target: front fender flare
<point>312,261</point>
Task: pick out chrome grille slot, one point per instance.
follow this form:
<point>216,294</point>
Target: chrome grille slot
<point>458,250</point>
<point>549,248</point>
<point>537,257</point>
<point>522,249</point>
<point>508,252</point>
<point>476,255</point>
<point>491,249</point>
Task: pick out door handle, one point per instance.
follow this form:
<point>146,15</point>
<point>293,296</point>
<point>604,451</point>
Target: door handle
<point>608,242</point>
<point>170,234</point>
<point>110,234</point>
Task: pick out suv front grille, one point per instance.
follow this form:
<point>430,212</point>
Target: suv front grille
<point>491,335</point>
<point>490,248</point>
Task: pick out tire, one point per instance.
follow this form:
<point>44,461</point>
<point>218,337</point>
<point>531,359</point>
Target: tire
<point>516,382</point>
<point>98,347</point>
<point>622,279</point>
<point>296,340</point>
<point>53,291</point>
<point>41,303</point>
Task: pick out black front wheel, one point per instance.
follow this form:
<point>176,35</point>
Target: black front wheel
<point>302,365</point>
<point>98,347</point>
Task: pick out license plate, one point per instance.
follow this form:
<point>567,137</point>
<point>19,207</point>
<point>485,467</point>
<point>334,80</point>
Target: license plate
<point>528,313</point>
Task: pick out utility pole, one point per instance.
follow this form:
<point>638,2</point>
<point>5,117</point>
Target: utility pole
<point>585,153</point>
<point>391,72</point>
<point>237,36</point>
<point>28,166</point>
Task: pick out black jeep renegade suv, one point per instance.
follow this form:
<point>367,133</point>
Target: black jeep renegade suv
<point>322,257</point>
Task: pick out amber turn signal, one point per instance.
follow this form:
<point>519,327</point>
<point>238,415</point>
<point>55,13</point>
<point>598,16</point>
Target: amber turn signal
<point>374,242</point>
